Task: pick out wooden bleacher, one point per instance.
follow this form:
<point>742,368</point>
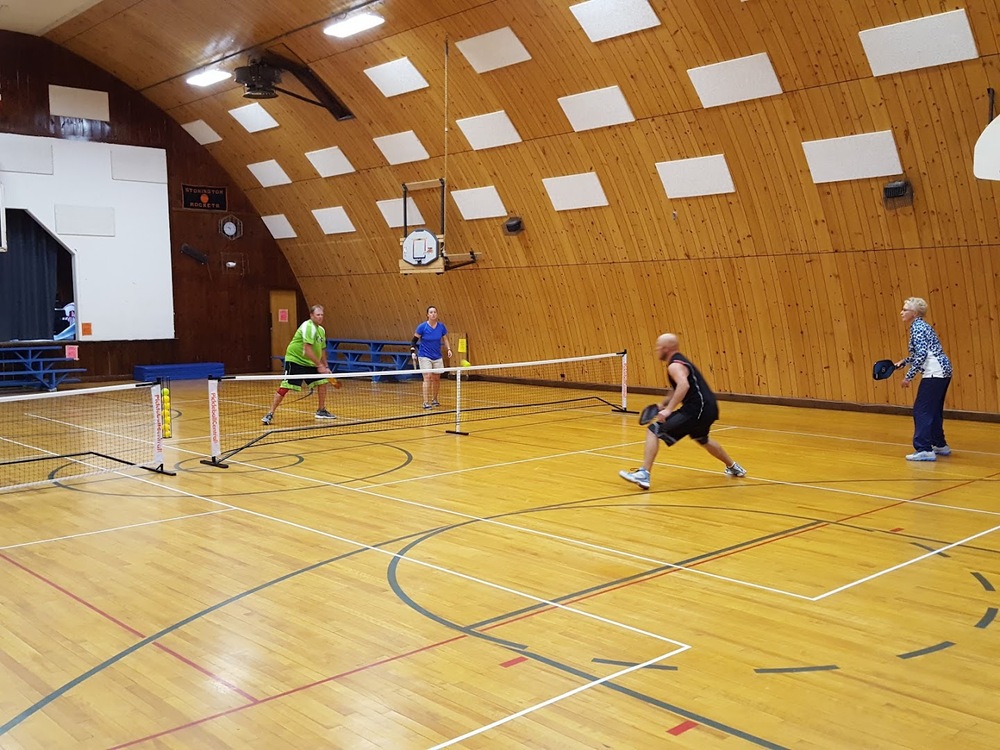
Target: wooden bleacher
<point>368,355</point>
<point>24,365</point>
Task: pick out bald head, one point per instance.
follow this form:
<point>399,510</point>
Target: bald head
<point>666,345</point>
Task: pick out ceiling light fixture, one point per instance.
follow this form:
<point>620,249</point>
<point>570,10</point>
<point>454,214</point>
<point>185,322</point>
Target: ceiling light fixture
<point>353,25</point>
<point>208,77</point>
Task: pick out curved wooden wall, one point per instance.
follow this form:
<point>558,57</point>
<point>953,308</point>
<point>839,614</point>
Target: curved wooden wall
<point>783,288</point>
<point>217,317</point>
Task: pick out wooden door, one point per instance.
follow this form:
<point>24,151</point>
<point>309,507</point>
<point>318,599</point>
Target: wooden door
<point>283,324</point>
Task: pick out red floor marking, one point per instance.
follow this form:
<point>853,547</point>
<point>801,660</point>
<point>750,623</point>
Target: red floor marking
<point>682,727</point>
<point>507,622</point>
<point>895,530</point>
<point>128,628</point>
<point>285,694</point>
<point>512,662</point>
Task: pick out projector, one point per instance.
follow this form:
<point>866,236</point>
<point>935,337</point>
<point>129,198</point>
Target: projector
<point>259,80</point>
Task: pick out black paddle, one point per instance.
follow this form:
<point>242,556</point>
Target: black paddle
<point>649,414</point>
<point>883,369</point>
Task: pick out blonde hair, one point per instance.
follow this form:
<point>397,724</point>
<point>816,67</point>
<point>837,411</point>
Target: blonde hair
<point>917,305</point>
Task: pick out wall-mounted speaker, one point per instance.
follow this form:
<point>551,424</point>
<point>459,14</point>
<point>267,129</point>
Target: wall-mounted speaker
<point>192,253</point>
<point>513,225</point>
<point>897,193</point>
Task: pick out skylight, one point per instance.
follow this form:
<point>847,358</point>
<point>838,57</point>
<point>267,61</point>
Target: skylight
<point>208,77</point>
<point>353,25</point>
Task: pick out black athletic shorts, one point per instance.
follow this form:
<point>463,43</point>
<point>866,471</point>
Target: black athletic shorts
<point>294,368</point>
<point>681,424</point>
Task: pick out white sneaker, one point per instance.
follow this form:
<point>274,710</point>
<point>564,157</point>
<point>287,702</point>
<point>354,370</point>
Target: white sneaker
<point>266,419</point>
<point>735,470</point>
<point>941,450</point>
<point>922,456</point>
<point>637,476</point>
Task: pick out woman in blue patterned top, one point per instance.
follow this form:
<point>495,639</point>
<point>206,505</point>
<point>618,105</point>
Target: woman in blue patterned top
<point>927,358</point>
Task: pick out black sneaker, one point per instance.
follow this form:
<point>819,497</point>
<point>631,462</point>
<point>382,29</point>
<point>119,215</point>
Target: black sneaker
<point>324,414</point>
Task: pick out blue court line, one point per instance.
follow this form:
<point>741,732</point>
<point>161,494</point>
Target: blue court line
<point>787,670</point>
<point>985,583</point>
<point>987,618</point>
<point>616,663</point>
<point>928,650</point>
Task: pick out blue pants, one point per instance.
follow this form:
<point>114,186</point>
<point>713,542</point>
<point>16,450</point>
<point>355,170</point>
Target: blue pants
<point>928,414</point>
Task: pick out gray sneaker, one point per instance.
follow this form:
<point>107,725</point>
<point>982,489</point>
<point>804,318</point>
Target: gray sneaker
<point>324,414</point>
<point>637,476</point>
<point>266,419</point>
<point>735,470</point>
<point>941,450</point>
<point>435,402</point>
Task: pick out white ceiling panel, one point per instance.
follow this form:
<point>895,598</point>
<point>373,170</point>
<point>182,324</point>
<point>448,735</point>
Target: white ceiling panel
<point>392,212</point>
<point>736,80</point>
<point>279,226</point>
<point>921,43</point>
<point>401,148</point>
<point>605,19</point>
<point>330,162</point>
<point>333,220</point>
<point>269,173</point>
<point>853,157</point>
<point>575,191</point>
<point>599,108</point>
<point>493,50</point>
<point>202,132</point>
<point>396,77</point>
<point>479,203</point>
<point>689,178</point>
<point>489,131</point>
<point>254,118</point>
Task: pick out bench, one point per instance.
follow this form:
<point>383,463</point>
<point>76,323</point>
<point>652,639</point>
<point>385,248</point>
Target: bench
<point>179,371</point>
<point>367,355</point>
<point>33,366</point>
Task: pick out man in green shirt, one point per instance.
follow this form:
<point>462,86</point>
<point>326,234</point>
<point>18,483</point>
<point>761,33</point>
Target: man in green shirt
<point>306,355</point>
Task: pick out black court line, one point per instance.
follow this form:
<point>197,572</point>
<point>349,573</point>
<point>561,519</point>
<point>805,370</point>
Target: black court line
<point>616,663</point>
<point>796,670</point>
<point>641,574</point>
<point>982,580</point>
<point>43,702</point>
<point>987,618</point>
<point>929,549</point>
<point>928,650</point>
<point>391,576</point>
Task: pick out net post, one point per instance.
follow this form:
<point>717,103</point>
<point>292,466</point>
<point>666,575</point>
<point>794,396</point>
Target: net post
<point>623,409</point>
<point>215,436</point>
<point>158,464</point>
<point>458,405</point>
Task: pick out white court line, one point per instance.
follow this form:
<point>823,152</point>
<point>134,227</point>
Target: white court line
<point>422,563</point>
<point>494,466</point>
<point>879,497</point>
<point>114,528</point>
<point>804,485</point>
<point>903,564</point>
<point>550,701</point>
<point>681,647</point>
<point>851,439</point>
<point>568,540</point>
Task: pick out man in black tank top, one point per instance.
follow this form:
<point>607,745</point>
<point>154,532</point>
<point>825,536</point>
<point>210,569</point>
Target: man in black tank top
<point>690,410</point>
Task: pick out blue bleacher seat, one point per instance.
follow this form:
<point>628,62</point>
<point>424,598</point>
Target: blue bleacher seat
<point>35,366</point>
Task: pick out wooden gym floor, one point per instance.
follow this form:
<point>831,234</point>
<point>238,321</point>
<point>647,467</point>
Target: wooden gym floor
<point>414,589</point>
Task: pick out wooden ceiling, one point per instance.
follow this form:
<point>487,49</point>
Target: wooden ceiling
<point>656,250</point>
